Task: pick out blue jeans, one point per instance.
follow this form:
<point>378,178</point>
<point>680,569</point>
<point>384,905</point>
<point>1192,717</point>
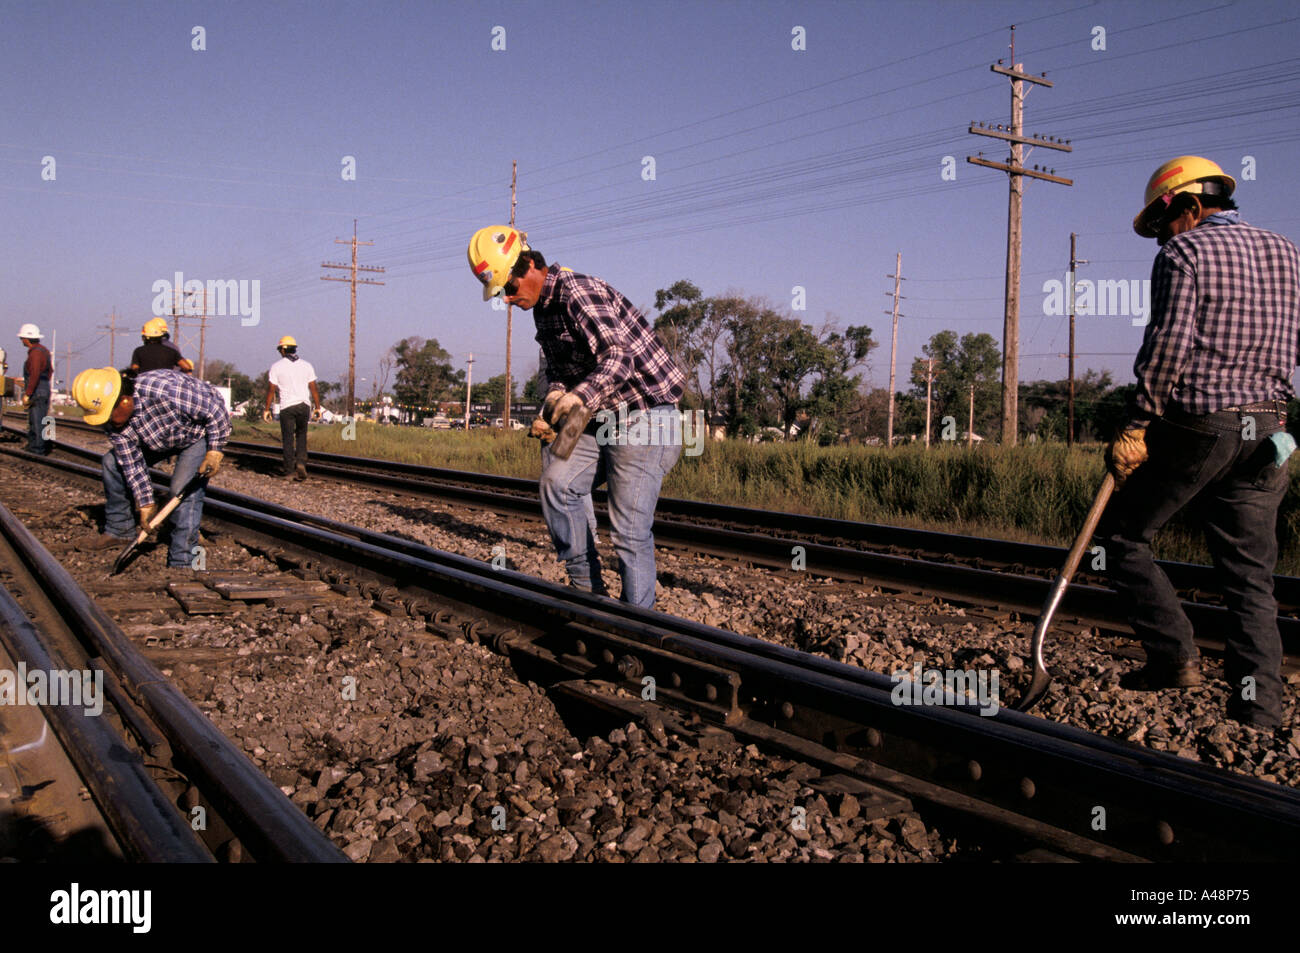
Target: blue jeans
<point>633,462</point>
<point>184,521</point>
<point>1237,489</point>
<point>37,412</point>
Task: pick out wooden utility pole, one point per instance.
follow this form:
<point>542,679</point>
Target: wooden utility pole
<point>1075,262</point>
<point>1015,170</point>
<point>113,332</point>
<point>469,377</point>
<point>352,327</point>
<point>505,419</point>
<point>929,380</point>
<point>893,346</point>
<point>970,427</point>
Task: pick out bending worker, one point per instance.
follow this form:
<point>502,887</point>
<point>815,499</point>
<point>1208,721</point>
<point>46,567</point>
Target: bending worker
<point>295,381</point>
<point>1208,424</point>
<point>156,351</point>
<point>36,387</point>
<point>150,417</point>
<point>601,355</point>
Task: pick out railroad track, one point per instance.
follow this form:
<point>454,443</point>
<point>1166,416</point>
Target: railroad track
<point>1013,776</point>
<point>165,784</point>
<point>1005,575</point>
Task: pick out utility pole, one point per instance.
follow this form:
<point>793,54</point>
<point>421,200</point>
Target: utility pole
<point>1015,170</point>
<point>203,334</point>
<point>505,420</point>
<point>970,427</point>
<point>352,327</point>
<point>1074,263</point>
<point>893,346</point>
<point>113,332</point>
<point>469,377</point>
<point>929,380</point>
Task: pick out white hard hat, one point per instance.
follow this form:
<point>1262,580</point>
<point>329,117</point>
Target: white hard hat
<point>30,331</point>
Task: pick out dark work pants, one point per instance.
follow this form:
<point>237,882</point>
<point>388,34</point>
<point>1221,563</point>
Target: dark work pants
<point>293,435</point>
<point>1215,461</point>
<point>37,411</point>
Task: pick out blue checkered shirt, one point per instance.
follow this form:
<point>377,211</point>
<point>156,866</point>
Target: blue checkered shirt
<point>172,411</point>
<point>1225,321</point>
<point>600,347</point>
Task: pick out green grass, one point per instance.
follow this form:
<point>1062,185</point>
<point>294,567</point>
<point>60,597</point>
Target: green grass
<point>1031,493</point>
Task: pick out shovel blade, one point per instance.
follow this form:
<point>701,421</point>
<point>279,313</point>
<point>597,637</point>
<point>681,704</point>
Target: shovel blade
<point>124,557</point>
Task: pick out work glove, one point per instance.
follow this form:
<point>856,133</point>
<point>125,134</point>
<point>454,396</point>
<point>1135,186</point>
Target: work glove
<point>147,513</point>
<point>1126,453</point>
<point>561,408</point>
<point>27,402</point>
<point>185,365</point>
<point>548,404</point>
<point>266,416</point>
<point>211,463</point>
<point>542,431</point>
<point>315,414</point>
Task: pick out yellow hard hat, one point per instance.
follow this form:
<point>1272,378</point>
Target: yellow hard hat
<point>96,391</point>
<point>492,252</point>
<point>154,328</point>
<point>287,341</point>
<point>1184,174</point>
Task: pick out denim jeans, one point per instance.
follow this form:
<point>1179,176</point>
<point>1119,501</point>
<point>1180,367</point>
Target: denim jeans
<point>293,436</point>
<point>36,412</point>
<point>184,521</point>
<point>1229,473</point>
<point>633,461</point>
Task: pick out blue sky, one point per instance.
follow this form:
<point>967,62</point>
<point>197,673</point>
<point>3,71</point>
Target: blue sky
<point>774,167</point>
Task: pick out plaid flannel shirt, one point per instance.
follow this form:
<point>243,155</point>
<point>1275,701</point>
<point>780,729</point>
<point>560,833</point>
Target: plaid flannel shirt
<point>1225,322</point>
<point>172,411</point>
<point>600,347</point>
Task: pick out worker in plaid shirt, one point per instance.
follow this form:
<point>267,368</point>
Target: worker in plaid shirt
<point>156,415</point>
<point>1208,424</point>
<point>601,355</point>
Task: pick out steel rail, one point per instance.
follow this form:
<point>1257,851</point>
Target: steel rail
<point>148,827</point>
<point>1089,604</point>
<point>268,825</point>
<point>1156,805</point>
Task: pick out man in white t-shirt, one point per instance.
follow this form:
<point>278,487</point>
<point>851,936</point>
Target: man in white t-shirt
<point>295,380</point>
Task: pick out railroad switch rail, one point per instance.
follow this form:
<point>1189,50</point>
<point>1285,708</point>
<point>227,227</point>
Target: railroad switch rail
<point>1027,777</point>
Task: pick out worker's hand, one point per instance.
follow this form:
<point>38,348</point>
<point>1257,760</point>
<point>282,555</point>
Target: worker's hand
<point>566,403</point>
<point>211,463</point>
<point>185,365</point>
<point>315,414</point>
<point>1126,453</point>
<point>266,416</point>
<point>541,430</point>
<point>27,402</point>
<point>548,404</point>
<point>147,513</point>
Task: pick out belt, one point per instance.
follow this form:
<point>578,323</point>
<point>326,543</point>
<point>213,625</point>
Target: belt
<point>1277,407</point>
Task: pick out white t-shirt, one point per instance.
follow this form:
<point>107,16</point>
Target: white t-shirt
<point>292,378</point>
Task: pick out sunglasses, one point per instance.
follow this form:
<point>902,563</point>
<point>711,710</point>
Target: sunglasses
<point>511,287</point>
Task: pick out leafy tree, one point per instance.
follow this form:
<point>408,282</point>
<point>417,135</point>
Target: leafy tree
<point>958,364</point>
<point>223,372</point>
<point>424,373</point>
<point>492,391</point>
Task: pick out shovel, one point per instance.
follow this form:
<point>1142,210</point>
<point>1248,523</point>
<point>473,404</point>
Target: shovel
<point>157,521</point>
<point>1041,680</point>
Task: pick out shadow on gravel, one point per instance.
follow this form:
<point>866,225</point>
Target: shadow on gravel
<point>451,524</point>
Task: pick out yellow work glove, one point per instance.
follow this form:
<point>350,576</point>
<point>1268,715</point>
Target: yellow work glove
<point>1126,453</point>
<point>542,431</point>
<point>560,410</point>
<point>147,513</point>
<point>211,463</point>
